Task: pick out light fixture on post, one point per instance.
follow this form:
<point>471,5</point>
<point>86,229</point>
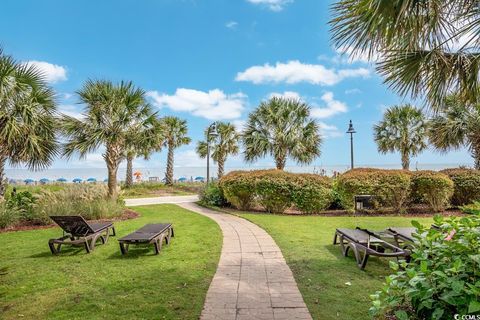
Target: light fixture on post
<point>351,130</point>
<point>211,134</point>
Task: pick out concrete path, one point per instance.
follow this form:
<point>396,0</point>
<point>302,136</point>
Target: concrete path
<point>252,281</point>
<point>160,200</point>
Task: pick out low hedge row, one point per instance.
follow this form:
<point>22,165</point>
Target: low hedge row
<point>396,188</point>
<point>276,190</point>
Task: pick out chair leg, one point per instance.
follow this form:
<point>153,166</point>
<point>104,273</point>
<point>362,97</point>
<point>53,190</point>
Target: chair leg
<point>123,249</point>
<point>51,245</point>
<point>113,231</point>
<point>87,246</point>
<point>157,247</point>
<point>335,239</point>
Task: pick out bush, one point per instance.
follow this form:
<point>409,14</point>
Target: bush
<point>22,203</point>
<point>88,200</point>
<point>212,195</point>
<point>432,188</point>
<point>8,216</point>
<point>238,188</point>
<point>441,280</point>
<point>312,193</point>
<point>466,185</point>
<point>473,208</point>
<point>274,189</point>
<point>391,188</point>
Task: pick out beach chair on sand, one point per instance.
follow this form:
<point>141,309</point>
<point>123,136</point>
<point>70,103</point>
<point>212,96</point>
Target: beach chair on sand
<point>147,235</point>
<point>364,244</point>
<point>78,232</point>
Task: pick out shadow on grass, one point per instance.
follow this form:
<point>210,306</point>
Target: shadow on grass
<point>135,252</point>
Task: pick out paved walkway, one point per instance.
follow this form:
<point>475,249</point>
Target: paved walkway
<point>252,280</point>
<point>160,200</point>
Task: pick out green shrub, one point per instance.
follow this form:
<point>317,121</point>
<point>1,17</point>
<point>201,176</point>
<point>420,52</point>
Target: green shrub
<point>22,203</point>
<point>8,216</point>
<point>87,200</point>
<point>466,185</point>
<point>441,280</point>
<point>472,208</point>
<point>391,188</point>
<point>212,195</point>
<point>312,193</point>
<point>238,187</point>
<point>274,189</point>
<point>432,188</point>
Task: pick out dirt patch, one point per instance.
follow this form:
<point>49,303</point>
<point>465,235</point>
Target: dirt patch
<point>127,215</point>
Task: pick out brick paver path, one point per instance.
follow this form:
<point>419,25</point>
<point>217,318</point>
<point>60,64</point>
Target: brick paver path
<point>252,281</point>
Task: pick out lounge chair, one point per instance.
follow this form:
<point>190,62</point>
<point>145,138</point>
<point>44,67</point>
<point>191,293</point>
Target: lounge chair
<point>365,243</point>
<point>404,237</point>
<point>78,232</point>
<point>148,234</point>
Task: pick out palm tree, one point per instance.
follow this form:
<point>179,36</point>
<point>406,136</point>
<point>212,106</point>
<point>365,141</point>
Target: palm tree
<point>112,111</point>
<point>142,142</point>
<point>27,117</point>
<point>223,145</point>
<point>175,132</point>
<point>456,125</point>
<point>282,128</point>
<point>402,129</point>
<point>421,47</point>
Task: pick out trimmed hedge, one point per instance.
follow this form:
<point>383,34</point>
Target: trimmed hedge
<point>466,185</point>
<point>391,188</point>
<point>433,188</point>
<point>277,191</point>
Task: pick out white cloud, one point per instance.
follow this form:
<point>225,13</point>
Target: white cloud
<point>332,107</point>
<point>239,124</point>
<point>212,105</point>
<point>294,72</point>
<point>286,94</point>
<point>274,5</point>
<point>231,24</point>
<point>329,131</point>
<point>70,110</point>
<point>353,91</point>
<point>92,160</point>
<point>53,73</point>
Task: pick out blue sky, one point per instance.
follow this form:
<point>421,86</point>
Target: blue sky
<point>207,60</point>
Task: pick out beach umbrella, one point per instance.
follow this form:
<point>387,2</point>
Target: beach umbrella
<point>199,178</point>
<point>27,181</point>
<point>91,179</point>
<point>62,180</point>
<point>182,179</point>
<point>77,180</point>
<point>44,180</point>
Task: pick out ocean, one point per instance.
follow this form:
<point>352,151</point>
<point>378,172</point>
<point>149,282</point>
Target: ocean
<point>192,172</point>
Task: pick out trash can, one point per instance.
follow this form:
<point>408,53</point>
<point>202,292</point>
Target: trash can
<point>363,202</point>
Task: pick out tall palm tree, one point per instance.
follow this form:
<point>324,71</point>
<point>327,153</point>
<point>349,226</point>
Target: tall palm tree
<point>223,145</point>
<point>282,128</point>
<point>403,129</point>
<point>141,142</point>
<point>423,47</point>
<point>175,131</point>
<point>27,117</point>
<point>456,125</point>
<point>112,111</point>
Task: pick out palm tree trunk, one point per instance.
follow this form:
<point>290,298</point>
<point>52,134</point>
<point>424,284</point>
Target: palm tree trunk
<point>169,172</point>
<point>3,180</point>
<point>476,156</point>
<point>129,177</point>
<point>405,160</point>
<point>221,169</point>
<point>112,158</point>
<point>280,160</point>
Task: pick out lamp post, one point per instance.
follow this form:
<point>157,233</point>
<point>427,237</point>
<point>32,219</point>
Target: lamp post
<point>211,133</point>
<point>351,130</point>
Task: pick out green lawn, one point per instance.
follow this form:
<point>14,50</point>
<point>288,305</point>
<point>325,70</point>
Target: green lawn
<point>156,189</point>
<point>105,285</point>
<point>322,273</point>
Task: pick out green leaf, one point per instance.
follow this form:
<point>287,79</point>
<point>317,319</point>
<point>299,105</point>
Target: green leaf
<point>416,224</point>
<point>401,315</point>
<point>437,314</point>
<point>474,306</point>
<point>424,266</point>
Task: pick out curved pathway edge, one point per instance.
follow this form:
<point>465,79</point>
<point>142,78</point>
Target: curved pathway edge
<point>252,280</point>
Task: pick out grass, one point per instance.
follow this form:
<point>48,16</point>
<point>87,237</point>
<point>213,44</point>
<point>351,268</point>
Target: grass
<point>105,285</point>
<point>36,188</point>
<point>322,273</point>
<point>156,189</point>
